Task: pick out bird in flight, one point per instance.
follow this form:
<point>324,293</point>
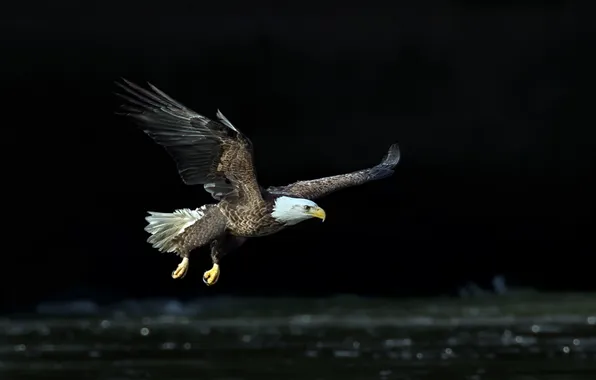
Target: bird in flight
<point>218,156</point>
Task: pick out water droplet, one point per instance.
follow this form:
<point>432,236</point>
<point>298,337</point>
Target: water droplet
<point>187,346</point>
<point>419,355</point>
<point>168,346</point>
<point>303,319</point>
<point>94,354</point>
<point>535,328</point>
<point>20,347</point>
<point>576,342</point>
<point>448,351</point>
<point>105,324</point>
<point>48,347</point>
<point>592,320</point>
<point>566,349</point>
<point>144,331</point>
<point>519,339</point>
<point>345,354</point>
<point>398,342</point>
<point>312,353</point>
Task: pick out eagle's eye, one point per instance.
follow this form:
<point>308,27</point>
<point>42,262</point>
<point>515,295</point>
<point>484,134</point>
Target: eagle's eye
<point>307,208</point>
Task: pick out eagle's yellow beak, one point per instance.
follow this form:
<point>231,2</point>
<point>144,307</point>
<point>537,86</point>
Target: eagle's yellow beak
<point>318,212</point>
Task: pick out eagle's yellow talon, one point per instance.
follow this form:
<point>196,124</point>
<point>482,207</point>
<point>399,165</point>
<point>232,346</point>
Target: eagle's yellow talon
<point>180,272</point>
<point>211,276</point>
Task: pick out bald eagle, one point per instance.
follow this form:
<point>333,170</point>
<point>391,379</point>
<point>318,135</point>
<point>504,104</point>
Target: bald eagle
<point>218,156</point>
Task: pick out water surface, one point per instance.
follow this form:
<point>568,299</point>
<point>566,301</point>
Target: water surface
<point>523,337</point>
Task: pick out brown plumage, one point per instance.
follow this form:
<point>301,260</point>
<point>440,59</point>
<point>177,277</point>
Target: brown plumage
<point>218,156</point>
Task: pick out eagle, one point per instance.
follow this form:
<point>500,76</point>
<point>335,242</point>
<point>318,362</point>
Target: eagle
<point>215,154</point>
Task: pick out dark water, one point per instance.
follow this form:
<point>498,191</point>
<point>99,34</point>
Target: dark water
<point>508,337</point>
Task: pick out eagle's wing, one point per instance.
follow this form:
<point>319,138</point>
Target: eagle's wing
<point>212,153</point>
<point>317,188</point>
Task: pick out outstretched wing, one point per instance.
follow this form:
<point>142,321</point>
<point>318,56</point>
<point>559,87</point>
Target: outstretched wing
<point>211,153</point>
<point>317,188</point>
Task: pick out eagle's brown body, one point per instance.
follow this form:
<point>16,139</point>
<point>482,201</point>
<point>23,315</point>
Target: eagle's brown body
<point>218,156</point>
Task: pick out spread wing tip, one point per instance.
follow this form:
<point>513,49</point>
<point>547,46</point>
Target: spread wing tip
<point>385,168</point>
<point>129,87</point>
<point>139,100</point>
<point>392,157</point>
<point>136,98</point>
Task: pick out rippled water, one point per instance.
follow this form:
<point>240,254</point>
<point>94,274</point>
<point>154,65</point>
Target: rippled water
<point>524,337</point>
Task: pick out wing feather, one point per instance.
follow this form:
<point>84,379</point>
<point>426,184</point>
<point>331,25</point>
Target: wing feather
<point>317,188</point>
<point>214,154</point>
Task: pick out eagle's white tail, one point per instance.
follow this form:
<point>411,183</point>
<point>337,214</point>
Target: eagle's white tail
<point>164,227</point>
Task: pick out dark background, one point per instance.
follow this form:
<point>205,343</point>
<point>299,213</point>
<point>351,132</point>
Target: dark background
<point>493,108</point>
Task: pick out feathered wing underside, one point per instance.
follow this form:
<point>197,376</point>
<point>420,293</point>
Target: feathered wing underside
<point>212,153</point>
<point>317,188</point>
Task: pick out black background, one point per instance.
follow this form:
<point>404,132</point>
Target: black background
<point>492,107</point>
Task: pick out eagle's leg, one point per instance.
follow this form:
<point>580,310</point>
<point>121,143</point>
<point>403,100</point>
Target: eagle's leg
<point>182,268</point>
<point>211,276</point>
<point>219,248</point>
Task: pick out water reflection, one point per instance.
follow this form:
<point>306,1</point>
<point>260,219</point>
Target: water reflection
<point>529,337</point>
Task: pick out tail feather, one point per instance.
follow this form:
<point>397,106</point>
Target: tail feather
<point>164,227</point>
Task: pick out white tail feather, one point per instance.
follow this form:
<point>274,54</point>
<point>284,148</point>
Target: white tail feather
<point>164,227</point>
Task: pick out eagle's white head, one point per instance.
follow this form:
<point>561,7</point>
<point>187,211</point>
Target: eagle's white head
<point>295,210</point>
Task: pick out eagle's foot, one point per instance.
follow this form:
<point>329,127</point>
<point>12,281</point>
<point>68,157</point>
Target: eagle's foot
<point>211,276</point>
<point>180,272</point>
